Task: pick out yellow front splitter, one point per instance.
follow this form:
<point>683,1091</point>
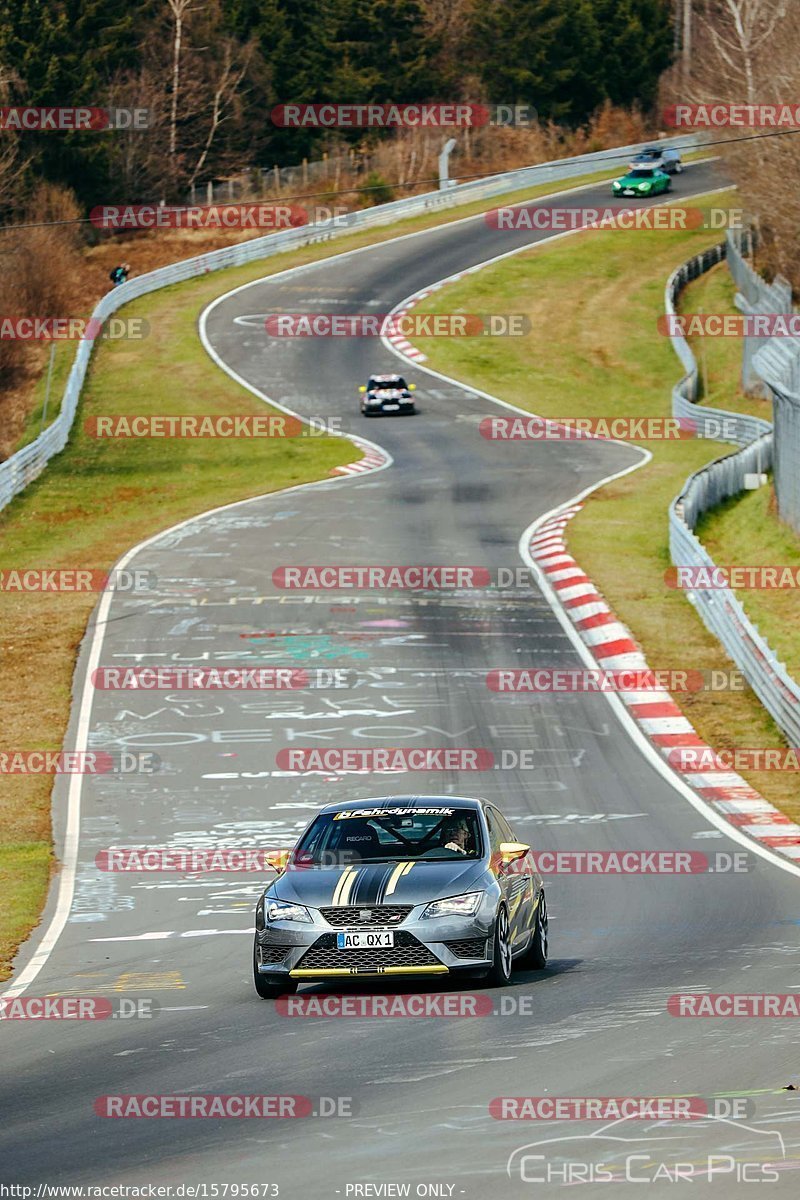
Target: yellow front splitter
<point>338,972</point>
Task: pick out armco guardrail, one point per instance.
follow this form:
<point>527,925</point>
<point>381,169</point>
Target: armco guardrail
<point>755,296</point>
<point>775,365</point>
<point>714,423</point>
<point>23,467</point>
<point>719,608</point>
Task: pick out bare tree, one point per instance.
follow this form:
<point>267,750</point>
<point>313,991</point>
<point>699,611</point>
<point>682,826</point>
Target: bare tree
<point>12,164</point>
<point>180,9</point>
<point>741,34</point>
<point>748,52</point>
<point>231,71</point>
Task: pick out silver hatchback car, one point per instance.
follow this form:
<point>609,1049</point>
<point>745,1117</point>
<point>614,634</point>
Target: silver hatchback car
<point>405,886</point>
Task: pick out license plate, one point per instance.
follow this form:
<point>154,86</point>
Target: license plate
<point>390,407</point>
<point>629,192</point>
<point>364,939</point>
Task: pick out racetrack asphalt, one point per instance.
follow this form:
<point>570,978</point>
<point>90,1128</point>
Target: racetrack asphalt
<point>595,1022</point>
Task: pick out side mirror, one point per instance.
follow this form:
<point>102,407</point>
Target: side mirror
<point>412,387</point>
<point>278,859</point>
<point>512,851</point>
<point>362,389</point>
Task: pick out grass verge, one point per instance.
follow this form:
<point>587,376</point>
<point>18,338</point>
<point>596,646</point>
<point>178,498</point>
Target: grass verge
<point>594,351</point>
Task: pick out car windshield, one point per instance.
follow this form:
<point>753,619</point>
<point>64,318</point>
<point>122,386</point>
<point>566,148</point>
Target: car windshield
<point>645,154</point>
<point>378,384</point>
<point>435,833</point>
<point>642,175</point>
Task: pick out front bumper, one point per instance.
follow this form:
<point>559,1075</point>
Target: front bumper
<point>435,946</point>
<point>389,407</point>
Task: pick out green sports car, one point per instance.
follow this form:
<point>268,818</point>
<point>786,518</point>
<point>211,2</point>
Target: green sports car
<point>642,181</point>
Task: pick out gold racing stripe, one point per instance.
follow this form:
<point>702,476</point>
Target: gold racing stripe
<point>337,891</point>
<point>401,869</point>
<point>347,887</point>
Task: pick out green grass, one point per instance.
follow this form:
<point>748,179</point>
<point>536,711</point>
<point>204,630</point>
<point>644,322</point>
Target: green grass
<point>720,359</point>
<point>594,300</point>
<point>746,531</point>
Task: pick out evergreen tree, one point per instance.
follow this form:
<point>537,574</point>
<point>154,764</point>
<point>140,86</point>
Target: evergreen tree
<point>636,39</point>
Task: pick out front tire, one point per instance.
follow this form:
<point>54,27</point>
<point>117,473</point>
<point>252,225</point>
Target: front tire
<point>500,974</point>
<point>268,990</point>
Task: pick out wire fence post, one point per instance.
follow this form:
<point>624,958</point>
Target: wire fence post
<point>47,385</point>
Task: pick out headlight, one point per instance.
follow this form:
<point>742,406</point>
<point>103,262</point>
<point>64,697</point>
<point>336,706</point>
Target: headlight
<point>278,911</point>
<point>617,185</point>
<point>454,906</point>
<point>644,187</point>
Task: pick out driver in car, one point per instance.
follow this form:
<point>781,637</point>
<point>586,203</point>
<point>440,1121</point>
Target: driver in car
<point>455,834</point>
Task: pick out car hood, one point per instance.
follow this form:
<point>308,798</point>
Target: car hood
<point>423,881</point>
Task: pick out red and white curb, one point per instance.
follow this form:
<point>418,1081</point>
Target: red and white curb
<point>655,712</point>
<point>374,459</point>
<point>400,343</point>
<point>398,340</point>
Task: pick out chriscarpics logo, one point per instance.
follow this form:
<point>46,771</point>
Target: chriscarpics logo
<point>720,1149</point>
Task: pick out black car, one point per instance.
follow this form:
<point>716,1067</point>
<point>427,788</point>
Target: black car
<point>387,394</point>
<point>401,885</point>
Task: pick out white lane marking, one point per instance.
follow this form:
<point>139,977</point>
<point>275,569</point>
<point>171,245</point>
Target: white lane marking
<point>66,878</point>
<point>171,933</point>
